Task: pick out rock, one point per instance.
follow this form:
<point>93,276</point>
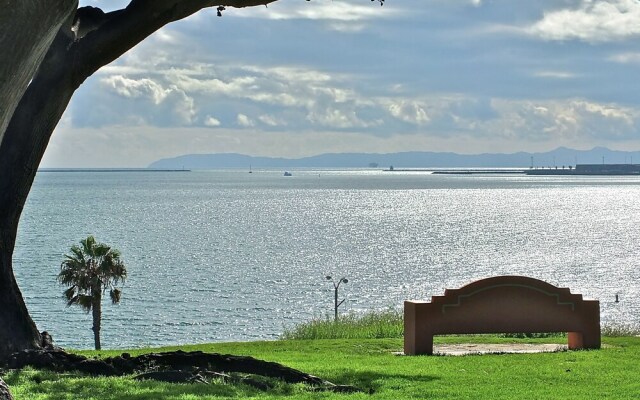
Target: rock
<point>46,341</point>
<point>4,391</point>
<point>96,367</point>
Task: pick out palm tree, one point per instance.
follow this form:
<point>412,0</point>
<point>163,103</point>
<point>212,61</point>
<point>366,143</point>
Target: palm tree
<point>89,271</point>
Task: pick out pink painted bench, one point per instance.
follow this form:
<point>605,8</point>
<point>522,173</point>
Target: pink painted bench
<point>502,304</point>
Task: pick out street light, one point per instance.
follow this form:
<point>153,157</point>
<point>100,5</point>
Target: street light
<point>336,285</point>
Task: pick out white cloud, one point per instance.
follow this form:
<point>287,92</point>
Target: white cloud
<point>409,111</point>
<point>626,58</point>
<point>133,88</point>
<point>335,118</point>
<point>211,121</point>
<point>554,74</point>
<point>185,108</point>
<point>592,21</point>
<point>335,10</point>
<point>244,121</point>
<point>567,121</point>
<point>183,105</point>
<point>271,120</point>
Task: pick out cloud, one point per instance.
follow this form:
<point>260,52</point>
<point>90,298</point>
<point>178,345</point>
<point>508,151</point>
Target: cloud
<point>554,74</point>
<point>133,88</point>
<point>211,121</point>
<point>179,103</point>
<point>565,121</point>
<point>626,58</point>
<point>408,111</point>
<point>244,121</point>
<point>336,10</point>
<point>304,98</point>
<point>271,120</point>
<point>592,21</point>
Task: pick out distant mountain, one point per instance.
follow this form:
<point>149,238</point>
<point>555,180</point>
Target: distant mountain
<point>558,157</point>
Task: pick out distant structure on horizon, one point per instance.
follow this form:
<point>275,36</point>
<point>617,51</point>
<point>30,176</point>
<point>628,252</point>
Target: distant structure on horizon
<point>590,169</point>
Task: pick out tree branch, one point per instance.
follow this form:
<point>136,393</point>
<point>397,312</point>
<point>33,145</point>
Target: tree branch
<point>115,33</point>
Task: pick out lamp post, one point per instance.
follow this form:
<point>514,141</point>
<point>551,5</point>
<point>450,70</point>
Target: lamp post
<point>336,285</point>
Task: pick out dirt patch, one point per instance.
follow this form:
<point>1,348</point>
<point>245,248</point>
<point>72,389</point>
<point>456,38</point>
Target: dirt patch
<point>465,349</point>
<point>505,348</point>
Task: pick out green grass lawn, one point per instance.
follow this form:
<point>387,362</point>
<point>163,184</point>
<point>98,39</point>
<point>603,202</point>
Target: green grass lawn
<point>609,373</point>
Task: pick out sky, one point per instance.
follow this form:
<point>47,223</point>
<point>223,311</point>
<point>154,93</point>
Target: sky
<point>301,78</point>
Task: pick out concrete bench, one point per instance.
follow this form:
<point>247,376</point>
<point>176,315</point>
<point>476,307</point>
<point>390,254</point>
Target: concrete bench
<point>502,304</point>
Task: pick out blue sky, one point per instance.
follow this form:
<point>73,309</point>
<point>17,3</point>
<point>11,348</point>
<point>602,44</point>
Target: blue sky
<point>301,78</point>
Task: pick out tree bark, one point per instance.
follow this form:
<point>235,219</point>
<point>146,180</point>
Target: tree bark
<point>21,150</point>
<point>4,391</point>
<point>96,309</point>
<point>23,45</point>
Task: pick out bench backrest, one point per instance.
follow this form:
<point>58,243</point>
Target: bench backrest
<point>502,304</point>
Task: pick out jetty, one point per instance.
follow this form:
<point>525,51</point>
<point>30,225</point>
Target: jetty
<point>579,169</point>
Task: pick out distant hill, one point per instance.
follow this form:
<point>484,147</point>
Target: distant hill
<point>558,157</point>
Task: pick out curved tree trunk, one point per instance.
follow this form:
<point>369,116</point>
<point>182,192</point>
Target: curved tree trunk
<point>24,44</point>
<point>31,105</point>
<point>23,47</point>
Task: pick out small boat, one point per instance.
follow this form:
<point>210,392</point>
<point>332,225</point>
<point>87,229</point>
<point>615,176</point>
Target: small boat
<point>250,171</point>
<point>287,173</point>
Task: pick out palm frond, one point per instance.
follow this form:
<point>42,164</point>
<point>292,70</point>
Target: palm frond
<point>85,301</point>
<point>89,270</point>
<point>73,300</point>
<point>70,293</point>
<point>115,294</point>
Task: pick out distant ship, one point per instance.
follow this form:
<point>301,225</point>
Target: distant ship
<point>287,173</point>
<point>589,169</point>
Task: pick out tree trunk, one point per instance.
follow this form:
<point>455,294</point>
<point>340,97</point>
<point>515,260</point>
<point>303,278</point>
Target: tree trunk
<point>21,150</point>
<point>24,43</point>
<point>17,329</point>
<point>23,46</point>
<point>31,106</point>
<point>96,308</point>
<point>4,391</point>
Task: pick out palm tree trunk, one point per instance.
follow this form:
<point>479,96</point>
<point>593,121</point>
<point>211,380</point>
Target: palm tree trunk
<point>96,306</point>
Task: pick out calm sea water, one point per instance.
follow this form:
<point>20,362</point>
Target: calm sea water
<point>227,255</point>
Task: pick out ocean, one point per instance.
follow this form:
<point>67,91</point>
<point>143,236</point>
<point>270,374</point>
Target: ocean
<point>230,256</point>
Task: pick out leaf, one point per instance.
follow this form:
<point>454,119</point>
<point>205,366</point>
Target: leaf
<point>85,301</point>
<point>115,295</point>
<point>73,300</point>
<point>70,293</point>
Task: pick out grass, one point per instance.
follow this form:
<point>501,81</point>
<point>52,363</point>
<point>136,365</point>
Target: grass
<point>372,365</point>
<point>620,330</point>
<point>372,325</point>
<point>366,356</point>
